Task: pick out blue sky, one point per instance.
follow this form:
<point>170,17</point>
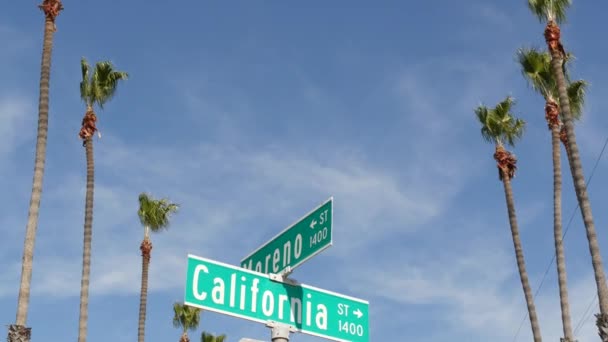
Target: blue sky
<point>250,114</point>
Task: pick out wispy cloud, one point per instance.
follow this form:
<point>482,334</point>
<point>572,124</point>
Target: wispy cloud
<point>223,191</point>
<point>15,123</point>
<point>476,288</point>
<point>226,188</point>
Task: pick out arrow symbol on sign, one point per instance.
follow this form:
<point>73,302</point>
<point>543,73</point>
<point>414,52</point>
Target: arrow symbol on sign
<point>358,313</point>
<point>313,224</point>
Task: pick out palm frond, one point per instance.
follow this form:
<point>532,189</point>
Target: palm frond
<point>483,116</point>
<point>503,108</point>
<point>84,84</point>
<point>207,337</point>
<point>498,124</point>
<point>568,60</point>
<point>155,214</point>
<point>576,94</point>
<point>547,10</point>
<point>514,131</point>
<point>105,82</point>
<point>536,69</point>
<point>100,86</point>
<point>177,314</point>
<point>185,316</point>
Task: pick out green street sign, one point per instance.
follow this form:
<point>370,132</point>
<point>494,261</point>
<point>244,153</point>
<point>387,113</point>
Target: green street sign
<point>295,244</point>
<point>238,292</point>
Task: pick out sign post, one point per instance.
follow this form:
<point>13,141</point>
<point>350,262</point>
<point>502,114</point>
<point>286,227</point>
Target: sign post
<point>295,244</point>
<point>250,295</point>
<point>279,332</point>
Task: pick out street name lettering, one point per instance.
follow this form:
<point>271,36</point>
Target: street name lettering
<point>239,292</point>
<point>270,304</point>
<point>297,243</point>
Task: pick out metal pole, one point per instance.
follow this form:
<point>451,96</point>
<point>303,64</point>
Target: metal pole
<point>280,333</point>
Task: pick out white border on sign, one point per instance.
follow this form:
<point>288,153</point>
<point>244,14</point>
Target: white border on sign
<point>263,275</point>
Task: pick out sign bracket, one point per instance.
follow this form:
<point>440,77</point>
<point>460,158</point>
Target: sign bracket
<point>286,272</point>
<point>280,332</point>
<point>283,277</point>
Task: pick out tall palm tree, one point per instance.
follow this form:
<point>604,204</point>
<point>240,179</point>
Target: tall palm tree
<point>554,12</point>
<point>207,337</point>
<point>154,216</point>
<point>187,318</point>
<point>499,126</point>
<point>536,69</point>
<point>95,89</point>
<point>19,331</point>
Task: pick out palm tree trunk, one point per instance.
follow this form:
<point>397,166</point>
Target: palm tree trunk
<point>552,36</point>
<point>557,232</point>
<point>184,337</point>
<point>563,137</point>
<point>519,254</point>
<point>88,232</point>
<point>146,250</point>
<point>19,332</point>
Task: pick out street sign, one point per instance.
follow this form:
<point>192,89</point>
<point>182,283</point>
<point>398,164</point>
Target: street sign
<point>234,291</point>
<point>295,244</point>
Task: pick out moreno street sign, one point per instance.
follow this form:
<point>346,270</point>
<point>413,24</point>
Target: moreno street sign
<point>295,244</point>
<point>238,292</point>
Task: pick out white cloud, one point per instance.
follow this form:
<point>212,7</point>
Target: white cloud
<point>581,291</point>
<point>528,212</point>
<point>223,191</point>
<point>476,287</point>
<point>111,274</point>
<point>16,123</point>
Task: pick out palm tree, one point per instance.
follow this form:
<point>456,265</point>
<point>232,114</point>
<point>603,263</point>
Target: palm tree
<point>187,318</point>
<point>154,216</point>
<point>498,126</point>
<point>536,69</point>
<point>97,88</point>
<point>19,331</point>
<point>554,12</point>
<point>207,337</point>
